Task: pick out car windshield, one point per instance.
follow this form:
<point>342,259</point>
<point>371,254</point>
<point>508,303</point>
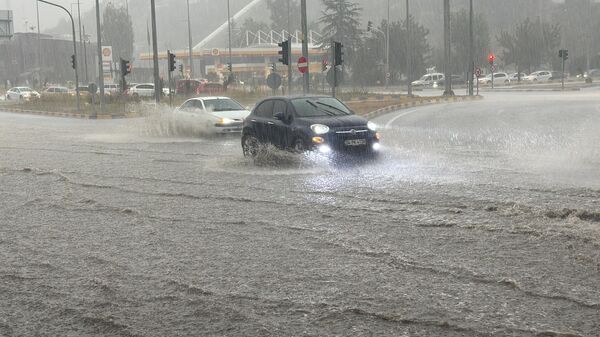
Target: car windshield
<point>319,107</point>
<point>25,89</point>
<point>222,104</point>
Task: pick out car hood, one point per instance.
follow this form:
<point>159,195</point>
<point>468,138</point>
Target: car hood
<point>236,114</point>
<point>335,121</point>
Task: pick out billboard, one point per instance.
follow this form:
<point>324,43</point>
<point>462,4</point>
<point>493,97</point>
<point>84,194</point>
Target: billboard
<point>107,64</point>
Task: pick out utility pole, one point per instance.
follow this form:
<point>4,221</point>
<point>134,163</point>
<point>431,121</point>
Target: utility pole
<point>387,47</point>
<point>229,28</point>
<point>471,60</point>
<point>99,48</point>
<point>306,86</point>
<point>85,58</point>
<point>157,88</point>
<point>74,49</point>
<point>408,51</point>
<point>191,61</point>
<point>289,66</point>
<point>447,74</point>
<point>80,33</point>
<point>39,41</point>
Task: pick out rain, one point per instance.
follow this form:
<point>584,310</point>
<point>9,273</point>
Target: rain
<point>299,168</point>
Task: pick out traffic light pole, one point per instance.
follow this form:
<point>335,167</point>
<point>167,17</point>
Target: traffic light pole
<point>306,86</point>
<point>334,69</point>
<point>157,88</point>
<point>99,50</point>
<point>447,73</point>
<point>563,73</point>
<point>408,52</point>
<point>289,65</point>
<point>471,62</point>
<point>74,50</point>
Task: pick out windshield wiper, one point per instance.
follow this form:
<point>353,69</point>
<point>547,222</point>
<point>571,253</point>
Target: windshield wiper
<point>333,107</point>
<point>321,109</point>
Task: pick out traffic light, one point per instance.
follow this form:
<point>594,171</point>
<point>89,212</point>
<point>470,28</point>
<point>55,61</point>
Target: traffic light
<point>73,61</point>
<point>230,67</point>
<point>171,61</point>
<point>369,26</point>
<point>491,58</point>
<point>563,54</point>
<point>181,69</point>
<point>125,67</point>
<point>338,54</point>
<point>285,51</point>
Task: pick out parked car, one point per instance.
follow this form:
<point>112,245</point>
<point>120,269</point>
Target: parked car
<point>213,114</point>
<point>428,80</point>
<point>210,88</point>
<point>50,91</point>
<point>313,123</point>
<point>21,93</point>
<point>111,89</point>
<point>539,76</point>
<point>499,78</point>
<point>514,77</point>
<point>188,87</point>
<point>142,90</point>
<point>456,79</point>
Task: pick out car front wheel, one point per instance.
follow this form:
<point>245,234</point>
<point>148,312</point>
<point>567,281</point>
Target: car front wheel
<point>299,146</point>
<point>250,146</point>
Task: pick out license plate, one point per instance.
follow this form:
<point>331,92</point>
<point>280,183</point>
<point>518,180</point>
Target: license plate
<point>355,142</point>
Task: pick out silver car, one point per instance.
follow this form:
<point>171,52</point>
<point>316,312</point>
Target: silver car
<point>211,115</point>
<point>21,93</point>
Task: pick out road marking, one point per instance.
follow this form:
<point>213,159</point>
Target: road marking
<point>391,121</point>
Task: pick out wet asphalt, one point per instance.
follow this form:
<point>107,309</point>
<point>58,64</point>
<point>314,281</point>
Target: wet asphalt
<point>478,219</point>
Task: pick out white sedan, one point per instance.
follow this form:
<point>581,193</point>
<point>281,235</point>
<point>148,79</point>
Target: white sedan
<point>211,115</point>
<point>21,93</point>
<point>539,76</point>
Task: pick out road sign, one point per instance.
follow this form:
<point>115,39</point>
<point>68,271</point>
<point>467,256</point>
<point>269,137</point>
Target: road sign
<point>477,72</point>
<point>388,75</point>
<point>302,64</point>
<point>274,81</point>
<point>493,68</point>
<point>339,76</point>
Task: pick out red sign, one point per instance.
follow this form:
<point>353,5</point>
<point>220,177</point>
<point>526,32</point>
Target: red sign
<point>491,58</point>
<point>302,64</point>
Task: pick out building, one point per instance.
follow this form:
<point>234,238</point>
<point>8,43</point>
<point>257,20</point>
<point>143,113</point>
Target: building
<point>29,59</point>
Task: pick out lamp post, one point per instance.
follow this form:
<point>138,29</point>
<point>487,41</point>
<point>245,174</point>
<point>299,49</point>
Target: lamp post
<point>157,87</point>
<point>191,61</point>
<point>447,74</point>
<point>471,61</point>
<point>229,28</point>
<point>387,47</point>
<point>99,50</point>
<point>408,52</point>
<point>74,48</point>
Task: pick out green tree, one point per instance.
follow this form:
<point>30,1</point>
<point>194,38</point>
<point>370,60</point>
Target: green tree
<point>279,14</point>
<point>341,22</point>
<point>531,45</point>
<point>117,31</point>
<point>459,41</point>
<point>369,65</point>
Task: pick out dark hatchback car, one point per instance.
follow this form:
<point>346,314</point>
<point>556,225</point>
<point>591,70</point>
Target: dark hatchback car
<point>303,124</point>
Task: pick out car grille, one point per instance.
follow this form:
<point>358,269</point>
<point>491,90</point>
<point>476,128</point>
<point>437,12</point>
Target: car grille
<point>341,135</point>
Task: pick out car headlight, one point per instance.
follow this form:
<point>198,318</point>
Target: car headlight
<point>319,129</point>
<point>225,121</point>
<point>372,126</point>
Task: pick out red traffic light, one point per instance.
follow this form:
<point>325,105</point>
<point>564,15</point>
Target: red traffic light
<point>491,57</point>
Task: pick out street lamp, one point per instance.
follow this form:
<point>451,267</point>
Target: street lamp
<point>229,28</point>
<point>385,41</point>
<point>74,47</point>
<point>191,64</point>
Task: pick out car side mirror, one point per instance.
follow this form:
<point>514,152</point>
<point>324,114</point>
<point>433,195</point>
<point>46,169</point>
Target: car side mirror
<point>279,116</point>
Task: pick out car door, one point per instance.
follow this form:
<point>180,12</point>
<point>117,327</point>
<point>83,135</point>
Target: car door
<point>260,119</point>
<point>13,93</point>
<point>279,129</point>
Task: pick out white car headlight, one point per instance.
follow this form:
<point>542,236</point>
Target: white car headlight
<point>319,129</point>
<point>372,126</point>
<point>225,121</point>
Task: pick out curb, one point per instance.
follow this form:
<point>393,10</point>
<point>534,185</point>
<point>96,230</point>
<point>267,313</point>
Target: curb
<point>71,115</point>
<point>531,90</point>
<point>429,101</point>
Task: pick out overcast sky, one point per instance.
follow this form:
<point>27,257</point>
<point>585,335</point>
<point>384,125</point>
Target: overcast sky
<point>24,10</point>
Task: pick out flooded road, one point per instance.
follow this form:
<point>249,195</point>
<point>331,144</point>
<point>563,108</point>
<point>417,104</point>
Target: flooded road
<point>479,219</point>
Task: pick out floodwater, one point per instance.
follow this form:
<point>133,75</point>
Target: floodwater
<point>478,219</point>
